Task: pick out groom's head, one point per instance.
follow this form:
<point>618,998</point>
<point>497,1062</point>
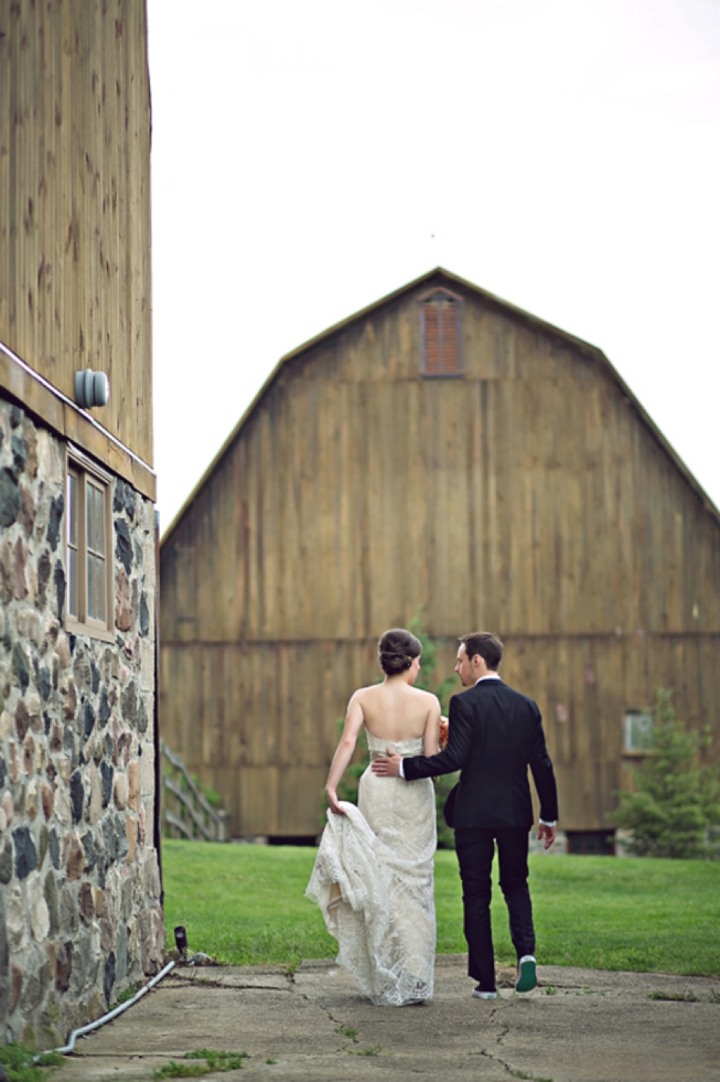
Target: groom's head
<point>478,655</point>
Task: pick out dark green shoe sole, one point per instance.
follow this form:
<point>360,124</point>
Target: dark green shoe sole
<point>527,976</point>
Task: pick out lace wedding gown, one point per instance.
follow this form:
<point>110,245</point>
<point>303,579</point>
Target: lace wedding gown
<point>373,880</point>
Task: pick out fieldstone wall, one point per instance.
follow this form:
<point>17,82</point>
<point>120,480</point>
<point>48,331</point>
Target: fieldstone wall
<point>80,915</point>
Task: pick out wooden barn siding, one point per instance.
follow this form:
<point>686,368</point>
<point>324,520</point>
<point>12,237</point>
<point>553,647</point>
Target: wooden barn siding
<point>526,497</point>
<point>258,721</point>
<point>74,151</point>
<point>343,497</point>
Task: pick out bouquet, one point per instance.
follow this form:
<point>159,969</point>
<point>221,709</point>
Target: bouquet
<point>444,732</point>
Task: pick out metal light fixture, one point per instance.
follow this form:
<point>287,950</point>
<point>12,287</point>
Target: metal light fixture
<point>91,388</point>
<point>181,941</point>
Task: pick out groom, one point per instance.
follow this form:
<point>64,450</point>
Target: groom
<point>495,734</point>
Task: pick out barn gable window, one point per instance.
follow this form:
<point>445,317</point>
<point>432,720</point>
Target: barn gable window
<point>89,552</point>
<point>441,333</point>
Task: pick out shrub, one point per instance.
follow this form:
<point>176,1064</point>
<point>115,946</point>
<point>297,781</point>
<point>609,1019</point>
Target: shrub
<point>676,798</point>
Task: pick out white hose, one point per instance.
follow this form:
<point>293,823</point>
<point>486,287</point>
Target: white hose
<point>70,1046</point>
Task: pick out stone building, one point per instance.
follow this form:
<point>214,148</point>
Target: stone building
<point>80,895</point>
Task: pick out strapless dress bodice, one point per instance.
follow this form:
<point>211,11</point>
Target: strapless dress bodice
<point>377,746</point>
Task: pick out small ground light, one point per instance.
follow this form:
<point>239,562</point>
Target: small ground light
<point>181,940</point>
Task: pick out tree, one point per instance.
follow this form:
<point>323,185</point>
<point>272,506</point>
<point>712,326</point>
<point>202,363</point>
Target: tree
<point>676,798</point>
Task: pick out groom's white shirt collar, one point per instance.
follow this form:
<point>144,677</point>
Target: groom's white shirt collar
<point>489,676</point>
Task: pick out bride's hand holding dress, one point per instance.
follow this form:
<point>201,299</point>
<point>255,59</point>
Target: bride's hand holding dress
<point>354,720</point>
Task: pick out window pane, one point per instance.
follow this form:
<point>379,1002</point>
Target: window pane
<point>72,524</point>
<point>100,591</point>
<point>89,515</point>
<point>638,731</point>
<point>72,594</point>
<point>96,587</point>
<point>100,521</point>
<point>95,531</point>
<point>90,586</point>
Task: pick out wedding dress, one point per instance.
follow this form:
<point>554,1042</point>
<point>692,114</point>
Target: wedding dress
<point>373,880</point>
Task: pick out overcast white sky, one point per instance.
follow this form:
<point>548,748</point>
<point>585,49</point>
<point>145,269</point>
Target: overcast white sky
<point>310,157</point>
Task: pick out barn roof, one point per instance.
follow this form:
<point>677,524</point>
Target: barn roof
<point>431,278</point>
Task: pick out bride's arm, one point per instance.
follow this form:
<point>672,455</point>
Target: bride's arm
<point>431,736</point>
<point>354,719</point>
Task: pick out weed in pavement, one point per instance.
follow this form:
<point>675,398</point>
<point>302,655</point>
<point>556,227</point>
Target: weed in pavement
<point>129,992</point>
<point>214,1062</point>
<point>181,1070</point>
<point>351,1033</point>
<point>675,997</point>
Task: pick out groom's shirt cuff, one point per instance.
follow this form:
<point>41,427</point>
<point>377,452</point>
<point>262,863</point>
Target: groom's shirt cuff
<point>401,769</point>
<point>546,823</point>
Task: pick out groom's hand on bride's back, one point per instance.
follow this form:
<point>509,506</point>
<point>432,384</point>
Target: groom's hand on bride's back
<point>388,767</point>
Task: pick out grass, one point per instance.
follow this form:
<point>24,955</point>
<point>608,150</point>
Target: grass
<point>244,905</point>
<point>23,1064</point>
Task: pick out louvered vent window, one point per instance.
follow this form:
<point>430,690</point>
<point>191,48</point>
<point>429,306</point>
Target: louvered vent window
<point>440,334</point>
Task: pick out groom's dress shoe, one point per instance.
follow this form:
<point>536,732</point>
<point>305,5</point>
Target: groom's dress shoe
<point>527,974</point>
<point>480,994</point>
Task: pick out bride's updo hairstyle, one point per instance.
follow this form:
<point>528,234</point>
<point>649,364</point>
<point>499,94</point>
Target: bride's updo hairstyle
<point>396,650</point>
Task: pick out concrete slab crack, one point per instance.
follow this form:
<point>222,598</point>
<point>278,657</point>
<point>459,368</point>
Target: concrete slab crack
<point>496,1059</point>
<point>191,982</point>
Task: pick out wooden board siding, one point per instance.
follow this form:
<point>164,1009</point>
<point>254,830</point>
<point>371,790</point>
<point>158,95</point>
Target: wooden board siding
<point>250,717</point>
<point>528,497</point>
<point>75,289</point>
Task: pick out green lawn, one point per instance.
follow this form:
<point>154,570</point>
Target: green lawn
<point>244,904</point>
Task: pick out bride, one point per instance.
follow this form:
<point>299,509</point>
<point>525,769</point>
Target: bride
<point>373,876</point>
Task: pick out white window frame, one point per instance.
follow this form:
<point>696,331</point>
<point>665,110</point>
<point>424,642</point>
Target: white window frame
<point>637,732</point>
<point>87,472</point>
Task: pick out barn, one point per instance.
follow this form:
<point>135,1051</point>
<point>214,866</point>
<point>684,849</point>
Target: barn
<point>446,452</point>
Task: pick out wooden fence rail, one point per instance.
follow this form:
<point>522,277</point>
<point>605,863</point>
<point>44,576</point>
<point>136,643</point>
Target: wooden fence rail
<point>191,816</point>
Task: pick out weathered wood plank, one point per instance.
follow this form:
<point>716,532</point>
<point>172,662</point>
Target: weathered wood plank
<point>75,282</point>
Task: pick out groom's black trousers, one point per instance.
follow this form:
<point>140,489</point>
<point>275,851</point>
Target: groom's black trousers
<point>475,850</point>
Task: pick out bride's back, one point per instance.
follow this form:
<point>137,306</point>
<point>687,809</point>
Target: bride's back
<point>395,710</point>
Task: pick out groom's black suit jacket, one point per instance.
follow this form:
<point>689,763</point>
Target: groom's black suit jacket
<point>495,734</point>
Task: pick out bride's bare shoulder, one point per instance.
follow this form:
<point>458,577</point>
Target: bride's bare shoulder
<point>430,697</point>
<point>363,693</point>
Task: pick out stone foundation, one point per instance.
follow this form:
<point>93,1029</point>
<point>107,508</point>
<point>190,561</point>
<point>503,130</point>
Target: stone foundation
<point>80,915</point>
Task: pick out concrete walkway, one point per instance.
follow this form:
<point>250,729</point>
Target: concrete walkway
<point>577,1026</point>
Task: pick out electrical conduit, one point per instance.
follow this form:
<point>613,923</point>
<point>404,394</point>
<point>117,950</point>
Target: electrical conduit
<point>84,1030</point>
